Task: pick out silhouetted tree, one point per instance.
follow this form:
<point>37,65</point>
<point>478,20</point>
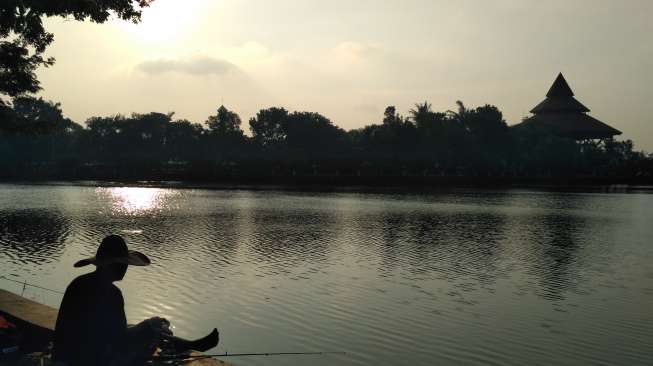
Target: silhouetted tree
<point>37,140</point>
<point>621,150</point>
<point>103,138</point>
<point>388,148</point>
<point>430,125</point>
<point>38,116</point>
<point>438,137</point>
<point>184,141</point>
<point>37,130</point>
<point>390,116</point>
<point>538,153</point>
<point>421,115</point>
<point>105,127</point>
<point>490,138</point>
<point>23,39</point>
<point>7,119</point>
<point>482,140</point>
<point>136,139</point>
<point>460,115</point>
<point>143,137</point>
<point>225,122</point>
<point>226,139</point>
<point>555,156</point>
<point>485,122</point>
<point>312,133</point>
<point>313,140</point>
<point>267,126</point>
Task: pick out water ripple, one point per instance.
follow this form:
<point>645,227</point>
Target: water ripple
<point>462,277</point>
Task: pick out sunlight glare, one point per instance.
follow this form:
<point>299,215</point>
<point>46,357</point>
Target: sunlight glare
<point>136,199</point>
<point>166,20</point>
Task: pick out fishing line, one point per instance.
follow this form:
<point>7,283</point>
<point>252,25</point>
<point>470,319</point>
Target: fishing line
<point>25,284</point>
<point>186,357</point>
<point>226,354</point>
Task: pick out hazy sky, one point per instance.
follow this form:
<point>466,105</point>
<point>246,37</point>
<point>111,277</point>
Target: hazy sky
<point>350,59</point>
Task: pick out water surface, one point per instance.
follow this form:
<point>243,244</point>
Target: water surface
<point>462,277</point>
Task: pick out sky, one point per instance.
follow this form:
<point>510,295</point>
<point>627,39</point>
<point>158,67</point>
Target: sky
<point>348,60</point>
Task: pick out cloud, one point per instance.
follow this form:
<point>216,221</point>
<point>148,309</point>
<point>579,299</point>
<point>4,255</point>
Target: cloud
<point>355,51</point>
<point>197,66</point>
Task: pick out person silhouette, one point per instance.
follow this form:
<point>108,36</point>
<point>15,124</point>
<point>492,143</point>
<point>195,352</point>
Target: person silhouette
<point>91,327</point>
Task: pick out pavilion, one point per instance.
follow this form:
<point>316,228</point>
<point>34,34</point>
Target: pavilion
<point>562,115</point>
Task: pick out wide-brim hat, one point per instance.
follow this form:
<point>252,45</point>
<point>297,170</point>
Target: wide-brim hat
<point>113,249</point>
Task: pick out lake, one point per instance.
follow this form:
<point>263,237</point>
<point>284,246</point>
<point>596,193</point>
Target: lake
<point>465,277</point>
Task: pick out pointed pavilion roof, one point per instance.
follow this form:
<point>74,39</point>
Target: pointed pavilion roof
<point>561,114</point>
<point>578,126</point>
<point>560,88</point>
<point>560,98</point>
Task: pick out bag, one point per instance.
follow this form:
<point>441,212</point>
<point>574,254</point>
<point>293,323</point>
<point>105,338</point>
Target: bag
<point>10,337</point>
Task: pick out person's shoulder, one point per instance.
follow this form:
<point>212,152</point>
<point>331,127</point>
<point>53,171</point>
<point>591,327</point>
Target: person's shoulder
<point>117,294</point>
<point>82,282</point>
<point>115,289</point>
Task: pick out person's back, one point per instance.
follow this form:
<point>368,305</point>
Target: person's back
<point>91,322</point>
<point>91,326</point>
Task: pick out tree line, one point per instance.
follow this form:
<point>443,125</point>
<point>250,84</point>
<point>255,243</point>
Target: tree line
<point>38,141</point>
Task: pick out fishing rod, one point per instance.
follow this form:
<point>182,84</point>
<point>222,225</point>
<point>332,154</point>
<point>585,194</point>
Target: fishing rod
<point>191,357</point>
<point>226,354</point>
<point>25,284</point>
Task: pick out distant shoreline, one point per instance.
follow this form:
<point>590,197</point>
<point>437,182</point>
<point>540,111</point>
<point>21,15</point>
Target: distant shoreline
<point>371,184</point>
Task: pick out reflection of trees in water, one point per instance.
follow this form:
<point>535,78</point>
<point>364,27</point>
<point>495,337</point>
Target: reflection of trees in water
<point>224,233</point>
<point>556,245</point>
<point>427,244</point>
<point>160,236</point>
<point>33,236</point>
<point>219,235</point>
<point>186,249</point>
<point>200,247</point>
<point>288,238</point>
<point>549,238</point>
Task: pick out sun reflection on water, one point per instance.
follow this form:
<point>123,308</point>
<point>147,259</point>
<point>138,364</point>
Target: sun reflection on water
<point>133,200</point>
